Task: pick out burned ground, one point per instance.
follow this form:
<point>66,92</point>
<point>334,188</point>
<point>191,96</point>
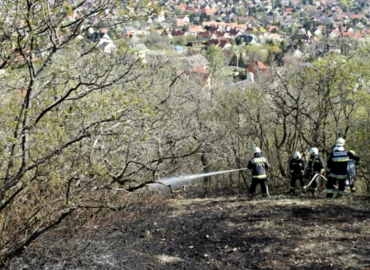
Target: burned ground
<point>226,232</point>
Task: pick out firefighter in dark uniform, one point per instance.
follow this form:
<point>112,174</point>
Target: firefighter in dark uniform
<point>259,166</point>
<point>297,167</point>
<point>337,168</point>
<point>315,165</point>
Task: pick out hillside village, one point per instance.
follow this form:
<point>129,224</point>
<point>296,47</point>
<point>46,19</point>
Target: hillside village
<point>252,34</point>
<point>303,29</point>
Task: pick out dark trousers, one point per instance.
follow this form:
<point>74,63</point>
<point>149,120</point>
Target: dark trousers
<point>255,182</point>
<point>333,181</point>
<point>294,179</point>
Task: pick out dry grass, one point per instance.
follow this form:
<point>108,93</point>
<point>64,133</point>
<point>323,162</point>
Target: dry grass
<point>221,233</point>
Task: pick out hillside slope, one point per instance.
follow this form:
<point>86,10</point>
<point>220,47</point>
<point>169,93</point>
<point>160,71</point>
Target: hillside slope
<point>215,233</point>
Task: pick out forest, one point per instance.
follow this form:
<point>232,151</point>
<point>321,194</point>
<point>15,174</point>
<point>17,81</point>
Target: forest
<point>81,129</point>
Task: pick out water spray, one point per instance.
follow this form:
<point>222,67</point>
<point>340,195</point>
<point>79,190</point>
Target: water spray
<point>173,180</point>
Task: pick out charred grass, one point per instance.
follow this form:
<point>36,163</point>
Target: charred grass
<point>227,232</point>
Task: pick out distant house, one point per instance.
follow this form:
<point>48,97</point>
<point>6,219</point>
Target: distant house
<point>360,25</point>
<point>182,6</point>
<point>347,34</point>
<point>166,33</point>
<point>103,41</point>
<point>358,36</point>
<point>194,44</point>
<point>256,67</point>
<point>273,28</point>
<point>97,36</point>
<point>129,28</point>
<point>222,43</point>
<point>181,21</point>
<point>191,9</point>
<point>203,35</point>
<point>195,29</point>
<point>276,37</point>
<point>200,75</point>
<point>218,34</point>
<point>165,25</point>
<point>306,38</point>
<point>157,18</point>
<point>334,34</point>
<point>233,33</point>
<point>208,11</point>
<point>302,31</point>
<point>249,39</point>
<point>177,33</point>
<point>107,47</point>
<point>208,80</point>
<point>316,31</point>
<point>195,61</point>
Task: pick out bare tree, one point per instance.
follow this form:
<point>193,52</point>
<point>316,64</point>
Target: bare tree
<point>62,98</point>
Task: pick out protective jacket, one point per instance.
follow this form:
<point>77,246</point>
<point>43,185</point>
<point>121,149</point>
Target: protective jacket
<point>315,164</point>
<point>259,165</point>
<point>337,163</point>
<point>297,166</point>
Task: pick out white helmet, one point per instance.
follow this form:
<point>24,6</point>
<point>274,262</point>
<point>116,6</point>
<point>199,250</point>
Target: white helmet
<point>297,155</point>
<point>340,142</point>
<point>256,150</point>
<point>314,151</point>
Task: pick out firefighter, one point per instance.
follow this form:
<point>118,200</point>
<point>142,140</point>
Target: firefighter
<point>315,165</point>
<point>259,166</point>
<point>297,166</point>
<point>337,168</point>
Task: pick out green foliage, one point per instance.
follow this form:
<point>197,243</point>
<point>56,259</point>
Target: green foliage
<point>216,58</point>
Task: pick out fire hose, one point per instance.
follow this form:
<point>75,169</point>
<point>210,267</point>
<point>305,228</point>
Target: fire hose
<point>314,177</point>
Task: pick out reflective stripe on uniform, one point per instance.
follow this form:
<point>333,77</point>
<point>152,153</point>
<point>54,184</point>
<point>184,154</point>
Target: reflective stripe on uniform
<point>329,191</point>
<point>340,159</point>
<point>339,176</point>
<point>259,176</point>
<point>258,160</point>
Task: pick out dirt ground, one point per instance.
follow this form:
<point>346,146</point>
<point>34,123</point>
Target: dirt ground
<point>227,232</point>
